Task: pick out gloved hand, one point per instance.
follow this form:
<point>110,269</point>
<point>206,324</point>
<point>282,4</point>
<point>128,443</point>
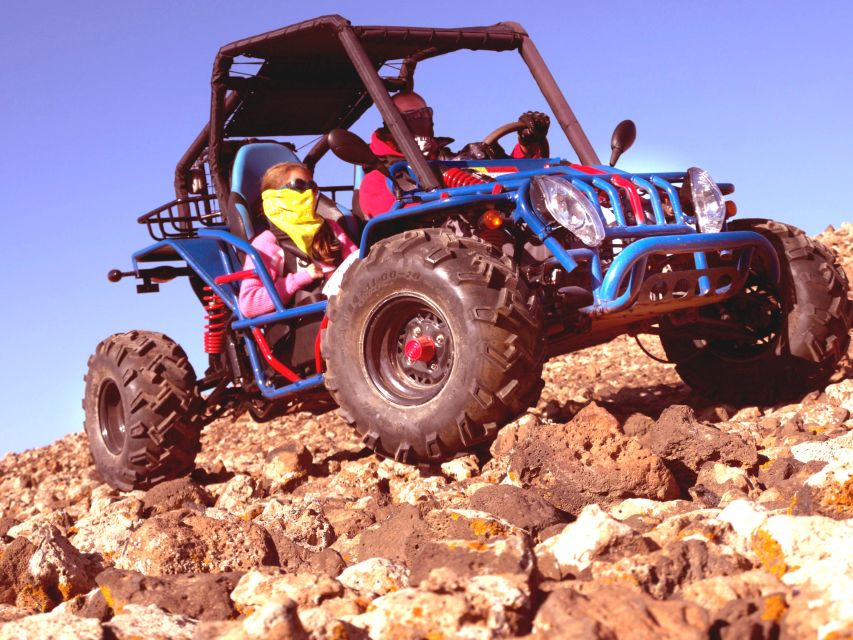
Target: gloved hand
<point>536,126</point>
<point>477,151</point>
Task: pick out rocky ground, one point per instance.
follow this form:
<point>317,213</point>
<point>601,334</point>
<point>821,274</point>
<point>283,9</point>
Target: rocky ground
<point>622,506</point>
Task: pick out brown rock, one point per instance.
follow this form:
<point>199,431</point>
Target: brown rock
<point>589,461</point>
<point>387,538</point>
<point>172,544</point>
<point>613,613</point>
<point>686,444</point>
<point>150,622</point>
<point>13,568</point>
<point>89,605</point>
<point>56,572</point>
<point>201,596</point>
<point>287,466</point>
<point>520,507</point>
<point>663,573</point>
<point>6,524</point>
<point>55,625</point>
<point>174,494</point>
<point>468,542</point>
<point>756,619</point>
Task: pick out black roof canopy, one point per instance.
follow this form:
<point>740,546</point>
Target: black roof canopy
<point>322,74</point>
<point>307,84</point>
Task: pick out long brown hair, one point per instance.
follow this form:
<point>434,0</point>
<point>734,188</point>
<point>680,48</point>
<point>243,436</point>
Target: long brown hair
<point>325,247</point>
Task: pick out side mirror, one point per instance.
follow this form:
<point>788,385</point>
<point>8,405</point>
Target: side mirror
<point>350,148</point>
<point>623,137</point>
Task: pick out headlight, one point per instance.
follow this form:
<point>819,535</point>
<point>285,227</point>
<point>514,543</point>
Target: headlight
<point>707,200</point>
<point>569,206</point>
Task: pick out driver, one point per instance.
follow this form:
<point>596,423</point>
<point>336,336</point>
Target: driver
<point>374,195</point>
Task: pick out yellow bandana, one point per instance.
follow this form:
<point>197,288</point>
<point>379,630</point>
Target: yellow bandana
<point>294,213</point>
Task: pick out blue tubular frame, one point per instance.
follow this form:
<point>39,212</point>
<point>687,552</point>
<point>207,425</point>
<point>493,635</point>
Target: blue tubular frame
<point>214,252</point>
<point>618,289</point>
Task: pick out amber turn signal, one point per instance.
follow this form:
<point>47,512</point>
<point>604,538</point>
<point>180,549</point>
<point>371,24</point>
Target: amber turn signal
<point>731,209</point>
<point>492,219</point>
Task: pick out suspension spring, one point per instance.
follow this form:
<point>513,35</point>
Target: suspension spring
<point>456,177</point>
<point>216,314</point>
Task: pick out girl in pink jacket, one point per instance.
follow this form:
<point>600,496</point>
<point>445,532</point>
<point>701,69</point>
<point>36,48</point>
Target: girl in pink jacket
<point>289,196</point>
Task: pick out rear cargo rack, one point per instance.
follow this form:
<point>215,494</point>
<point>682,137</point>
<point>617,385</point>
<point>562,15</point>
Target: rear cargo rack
<point>182,218</point>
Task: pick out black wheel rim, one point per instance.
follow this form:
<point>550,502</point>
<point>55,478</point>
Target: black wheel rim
<point>111,416</point>
<point>390,329</point>
<point>758,309</point>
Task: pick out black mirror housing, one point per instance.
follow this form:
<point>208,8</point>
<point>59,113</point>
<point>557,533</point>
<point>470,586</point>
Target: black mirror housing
<point>350,148</point>
<point>623,137</point>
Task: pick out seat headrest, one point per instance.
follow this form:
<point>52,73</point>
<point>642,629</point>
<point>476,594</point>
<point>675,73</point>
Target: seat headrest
<point>250,164</point>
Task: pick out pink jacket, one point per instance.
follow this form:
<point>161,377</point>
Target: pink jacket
<point>254,299</point>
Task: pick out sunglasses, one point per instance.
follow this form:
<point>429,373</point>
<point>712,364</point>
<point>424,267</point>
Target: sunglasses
<point>424,113</point>
<point>301,185</point>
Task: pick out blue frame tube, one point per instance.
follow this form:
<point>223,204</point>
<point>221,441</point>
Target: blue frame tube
<point>626,263</point>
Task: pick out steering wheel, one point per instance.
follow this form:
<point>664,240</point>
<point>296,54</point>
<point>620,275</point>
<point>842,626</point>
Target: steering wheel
<point>503,130</point>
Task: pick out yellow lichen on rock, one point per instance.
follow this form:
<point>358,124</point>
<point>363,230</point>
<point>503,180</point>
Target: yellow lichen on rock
<point>769,553</point>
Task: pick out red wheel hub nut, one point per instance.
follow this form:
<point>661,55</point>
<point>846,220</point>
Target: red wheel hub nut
<point>421,348</point>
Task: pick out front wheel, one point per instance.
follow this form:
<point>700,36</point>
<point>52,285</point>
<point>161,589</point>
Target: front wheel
<point>784,340</point>
<point>433,343</point>
<point>142,410</point>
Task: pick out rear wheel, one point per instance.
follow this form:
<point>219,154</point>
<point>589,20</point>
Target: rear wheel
<point>769,343</point>
<point>433,344</point>
<point>142,410</point>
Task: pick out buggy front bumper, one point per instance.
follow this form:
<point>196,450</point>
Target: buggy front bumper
<point>629,284</point>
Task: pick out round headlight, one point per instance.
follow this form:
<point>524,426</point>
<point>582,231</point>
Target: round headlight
<point>707,200</point>
<point>568,205</point>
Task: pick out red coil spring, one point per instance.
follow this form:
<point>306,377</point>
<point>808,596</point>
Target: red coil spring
<point>456,177</point>
<point>214,330</point>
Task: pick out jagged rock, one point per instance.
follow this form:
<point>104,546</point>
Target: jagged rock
<point>756,619</point>
<point>713,593</point>
<point>276,620</point>
<point>347,521</point>
<point>171,544</point>
<point>56,625</point>
<point>88,605</point>
<point>387,538</point>
<point>686,444</point>
<point>202,596</point>
<point>716,479</point>
<point>14,565</point>
<point>664,573</point>
<point>9,612</point>
<point>150,622</point>
<point>613,613</point>
<point>592,535</point>
<point>412,614</point>
<point>107,531</point>
<point>521,507</point>
<point>6,524</point>
<point>259,587</point>
<point>174,494</point>
<point>56,572</point>
<point>375,577</point>
<point>841,394</point>
<point>588,460</point>
<point>461,468</point>
<point>819,416</point>
<point>305,525</point>
<point>239,495</point>
<point>468,542</point>
<point>287,465</point>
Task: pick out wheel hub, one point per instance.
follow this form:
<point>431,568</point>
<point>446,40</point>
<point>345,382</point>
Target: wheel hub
<point>408,350</point>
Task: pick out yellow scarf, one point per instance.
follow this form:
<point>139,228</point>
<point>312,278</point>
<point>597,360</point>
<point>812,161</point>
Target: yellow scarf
<point>294,213</point>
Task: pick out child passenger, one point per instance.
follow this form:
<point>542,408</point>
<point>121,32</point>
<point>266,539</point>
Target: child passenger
<point>289,196</point>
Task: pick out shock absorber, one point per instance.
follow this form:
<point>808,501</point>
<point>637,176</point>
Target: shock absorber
<point>214,330</point>
<point>456,177</point>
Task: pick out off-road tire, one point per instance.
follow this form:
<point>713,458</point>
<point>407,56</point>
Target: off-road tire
<point>493,326</point>
<point>812,336</point>
<point>142,410</point>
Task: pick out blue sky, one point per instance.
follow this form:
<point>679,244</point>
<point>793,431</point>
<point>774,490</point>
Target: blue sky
<point>100,99</point>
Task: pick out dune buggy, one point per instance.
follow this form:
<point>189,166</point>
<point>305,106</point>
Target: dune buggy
<point>482,269</point>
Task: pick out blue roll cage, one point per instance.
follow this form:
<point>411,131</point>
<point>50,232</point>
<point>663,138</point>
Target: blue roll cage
<point>214,252</point>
